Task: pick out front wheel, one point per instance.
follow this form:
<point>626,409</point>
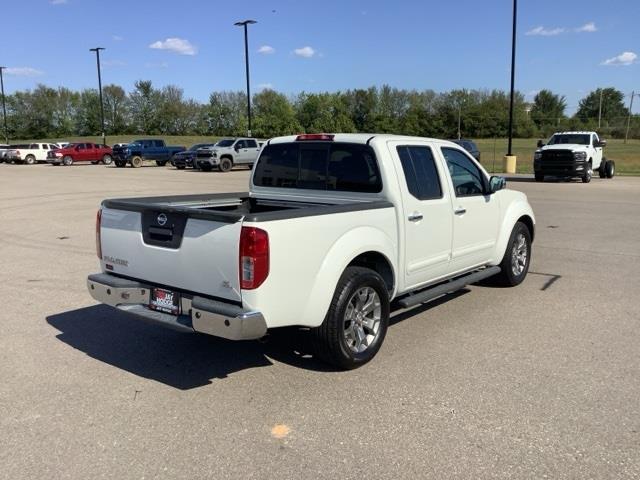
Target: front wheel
<point>161,163</point>
<point>515,263</point>
<point>539,177</point>
<point>225,165</point>
<point>136,162</point>
<point>205,167</point>
<point>586,178</point>
<point>120,163</point>
<point>356,323</point>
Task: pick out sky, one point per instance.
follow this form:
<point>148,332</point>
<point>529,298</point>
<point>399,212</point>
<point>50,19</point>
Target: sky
<point>568,46</point>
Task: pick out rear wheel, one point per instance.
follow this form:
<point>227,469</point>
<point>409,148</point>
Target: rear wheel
<point>67,160</point>
<point>136,162</point>
<point>517,257</point>
<point>610,168</point>
<point>30,159</point>
<point>107,159</point>
<point>602,170</point>
<point>225,165</point>
<point>539,177</point>
<point>356,323</point>
<point>161,163</point>
<point>120,163</point>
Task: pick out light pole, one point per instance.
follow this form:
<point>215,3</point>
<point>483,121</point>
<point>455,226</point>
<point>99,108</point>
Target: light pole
<point>626,135</point>
<point>513,68</point>
<point>97,50</point>
<point>246,61</point>
<point>4,108</point>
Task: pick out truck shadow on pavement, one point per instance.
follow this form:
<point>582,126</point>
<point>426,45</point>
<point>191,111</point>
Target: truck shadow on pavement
<point>183,360</point>
<point>180,360</point>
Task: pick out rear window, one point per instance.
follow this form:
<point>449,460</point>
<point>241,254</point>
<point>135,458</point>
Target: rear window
<point>343,167</point>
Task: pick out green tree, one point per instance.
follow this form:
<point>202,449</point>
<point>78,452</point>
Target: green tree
<point>613,109</point>
<point>547,109</point>
<point>226,113</point>
<point>116,109</point>
<point>145,104</point>
<point>274,115</point>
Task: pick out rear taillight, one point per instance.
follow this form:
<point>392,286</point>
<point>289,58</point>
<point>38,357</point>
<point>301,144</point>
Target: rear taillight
<point>98,242</point>
<point>254,257</point>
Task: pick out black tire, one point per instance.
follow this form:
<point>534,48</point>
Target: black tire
<point>539,177</point>
<point>586,178</point>
<point>136,161</point>
<point>602,169</point>
<point>67,161</point>
<point>330,338</point>
<point>161,163</point>
<point>107,159</point>
<point>180,167</point>
<point>507,276</point>
<point>225,164</point>
<point>120,163</point>
<point>610,168</point>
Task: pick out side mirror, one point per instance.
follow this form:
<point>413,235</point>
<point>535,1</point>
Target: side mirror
<point>236,147</point>
<point>602,143</point>
<point>540,144</point>
<point>497,183</point>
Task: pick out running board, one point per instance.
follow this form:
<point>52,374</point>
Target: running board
<point>444,288</point>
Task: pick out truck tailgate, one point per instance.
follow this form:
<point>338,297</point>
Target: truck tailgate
<point>172,249</point>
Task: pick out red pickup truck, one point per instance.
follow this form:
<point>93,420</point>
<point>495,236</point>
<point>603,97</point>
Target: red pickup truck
<point>80,152</point>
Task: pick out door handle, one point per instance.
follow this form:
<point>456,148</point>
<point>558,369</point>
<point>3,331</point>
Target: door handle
<point>415,217</point>
<point>460,211</point>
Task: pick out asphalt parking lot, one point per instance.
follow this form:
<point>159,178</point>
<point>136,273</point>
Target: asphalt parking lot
<point>538,381</point>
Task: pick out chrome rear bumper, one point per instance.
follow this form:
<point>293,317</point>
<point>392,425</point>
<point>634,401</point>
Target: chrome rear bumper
<point>200,314</point>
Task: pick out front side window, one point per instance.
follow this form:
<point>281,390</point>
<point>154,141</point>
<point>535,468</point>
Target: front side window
<point>81,146</point>
<point>420,172</point>
<point>252,144</point>
<point>467,178</point>
<point>341,167</point>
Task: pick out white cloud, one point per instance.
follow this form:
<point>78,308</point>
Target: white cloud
<point>58,2</point>
<point>266,49</point>
<point>545,32</point>
<point>23,71</point>
<point>625,58</point>
<point>265,86</point>
<point>117,38</point>
<point>175,45</point>
<point>306,52</point>
<point>587,27</point>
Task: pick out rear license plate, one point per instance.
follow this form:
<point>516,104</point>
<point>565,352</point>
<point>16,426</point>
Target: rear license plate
<point>165,301</point>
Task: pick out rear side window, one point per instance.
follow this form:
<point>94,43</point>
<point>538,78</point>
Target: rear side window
<point>34,146</point>
<point>420,172</point>
<point>252,144</point>
<point>343,167</point>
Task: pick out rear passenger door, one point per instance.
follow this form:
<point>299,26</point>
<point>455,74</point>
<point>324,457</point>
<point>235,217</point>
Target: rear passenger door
<point>475,213</point>
<point>253,150</point>
<point>426,212</point>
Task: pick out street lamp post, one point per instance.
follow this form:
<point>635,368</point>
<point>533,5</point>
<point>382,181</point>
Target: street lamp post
<point>97,50</point>
<point>626,135</point>
<point>513,71</point>
<point>246,61</point>
<point>4,108</point>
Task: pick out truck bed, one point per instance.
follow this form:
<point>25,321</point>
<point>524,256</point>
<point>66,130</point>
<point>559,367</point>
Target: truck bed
<point>235,207</point>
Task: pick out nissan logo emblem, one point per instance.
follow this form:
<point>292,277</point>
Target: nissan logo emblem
<point>162,219</point>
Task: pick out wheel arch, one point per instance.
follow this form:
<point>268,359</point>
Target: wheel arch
<point>518,210</point>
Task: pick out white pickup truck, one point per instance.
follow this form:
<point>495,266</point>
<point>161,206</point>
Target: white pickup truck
<point>29,153</point>
<point>333,229</point>
<point>570,155</point>
<point>228,153</point>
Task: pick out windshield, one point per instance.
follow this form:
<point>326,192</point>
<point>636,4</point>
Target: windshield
<point>566,138</point>
<point>225,143</point>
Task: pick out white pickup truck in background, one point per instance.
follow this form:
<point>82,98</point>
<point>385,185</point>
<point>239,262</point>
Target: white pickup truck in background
<point>29,153</point>
<point>333,229</point>
<point>571,155</point>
